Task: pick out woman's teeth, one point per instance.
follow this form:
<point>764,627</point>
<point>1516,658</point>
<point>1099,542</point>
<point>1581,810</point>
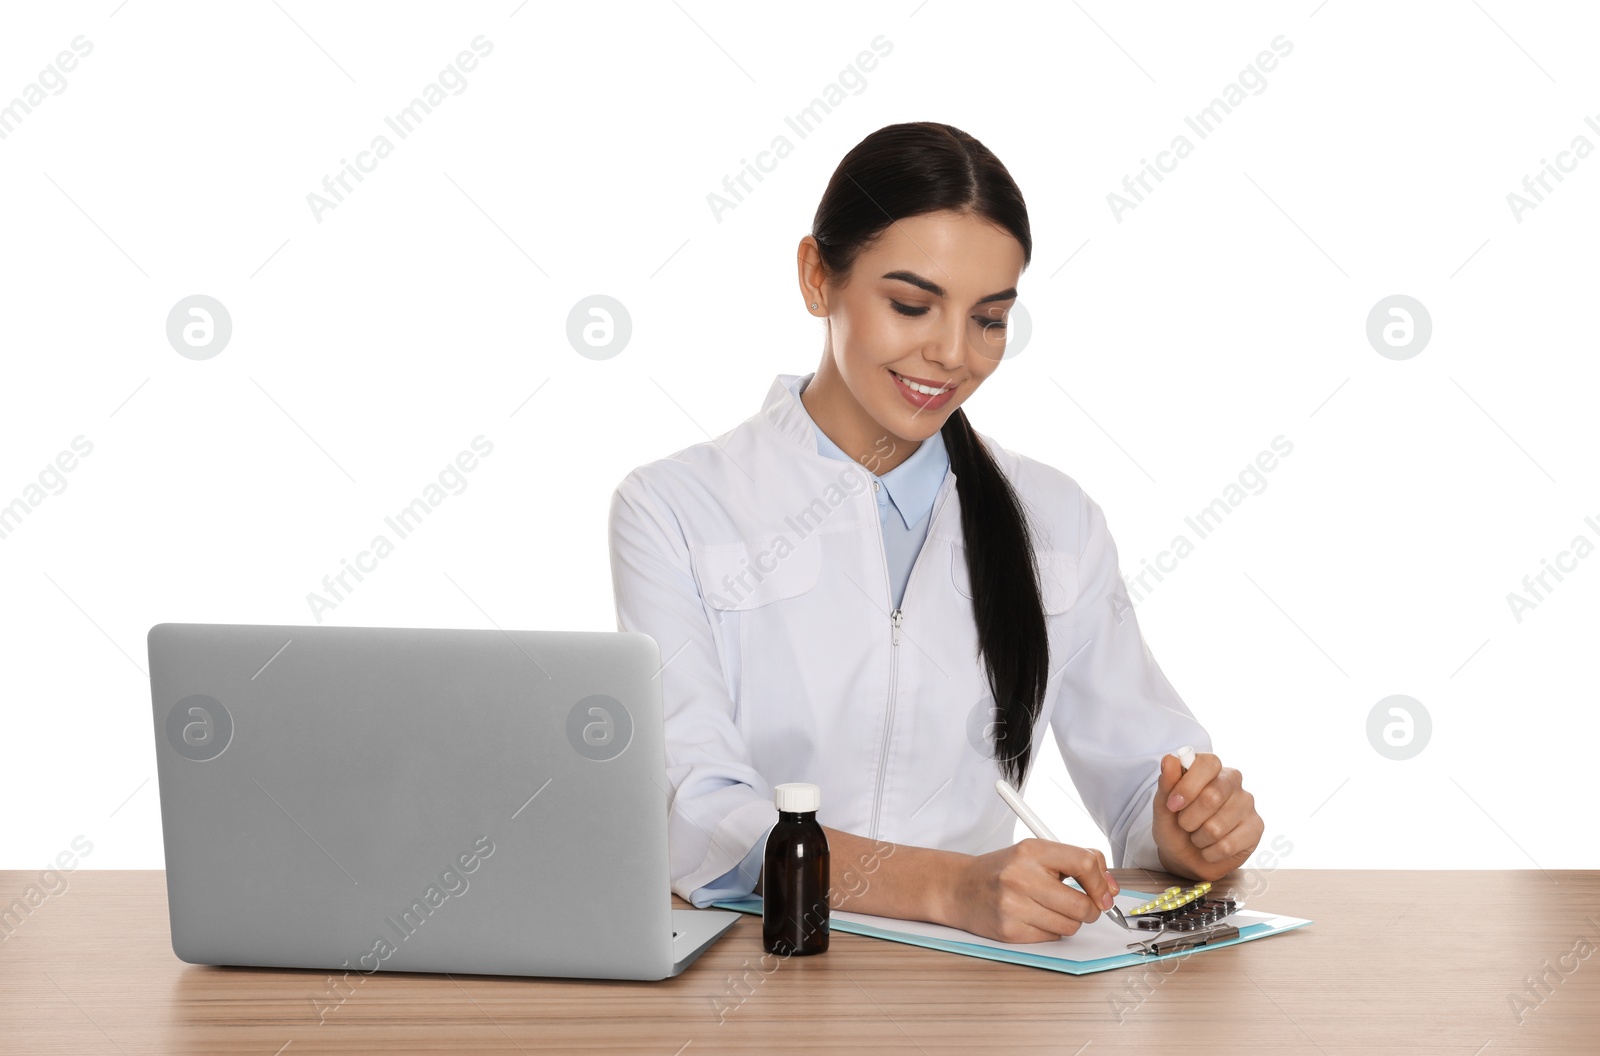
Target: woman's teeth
<point>914,387</point>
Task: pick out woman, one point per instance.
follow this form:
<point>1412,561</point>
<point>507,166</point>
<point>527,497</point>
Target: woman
<point>844,586</point>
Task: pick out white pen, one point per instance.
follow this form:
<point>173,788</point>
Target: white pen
<point>1014,799</point>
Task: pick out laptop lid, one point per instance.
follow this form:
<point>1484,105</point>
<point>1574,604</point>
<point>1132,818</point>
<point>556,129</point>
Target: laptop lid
<point>405,799</point>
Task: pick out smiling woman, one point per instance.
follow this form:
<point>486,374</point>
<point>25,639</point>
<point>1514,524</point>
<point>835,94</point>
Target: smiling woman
<point>926,619</point>
<point>903,351</point>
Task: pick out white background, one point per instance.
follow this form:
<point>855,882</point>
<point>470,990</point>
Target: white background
<point>1169,346</point>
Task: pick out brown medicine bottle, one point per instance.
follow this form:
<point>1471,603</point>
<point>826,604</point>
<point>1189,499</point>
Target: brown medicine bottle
<point>794,903</point>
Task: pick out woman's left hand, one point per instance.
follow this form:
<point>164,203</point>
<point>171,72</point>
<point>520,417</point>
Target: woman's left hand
<point>1204,822</point>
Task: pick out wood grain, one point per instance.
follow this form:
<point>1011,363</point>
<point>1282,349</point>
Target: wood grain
<point>1397,962</point>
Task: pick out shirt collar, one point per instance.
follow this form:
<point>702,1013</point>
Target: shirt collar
<point>912,485</point>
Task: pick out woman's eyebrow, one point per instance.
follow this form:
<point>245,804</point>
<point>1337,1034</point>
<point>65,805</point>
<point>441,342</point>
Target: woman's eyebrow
<point>938,291</point>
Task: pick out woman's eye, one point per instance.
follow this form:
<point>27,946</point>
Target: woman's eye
<point>906,309</point>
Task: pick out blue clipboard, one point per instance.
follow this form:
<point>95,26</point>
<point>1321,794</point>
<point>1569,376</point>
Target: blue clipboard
<point>1251,924</point>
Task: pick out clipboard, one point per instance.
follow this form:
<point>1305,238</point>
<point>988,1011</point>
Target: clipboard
<point>1096,947</point>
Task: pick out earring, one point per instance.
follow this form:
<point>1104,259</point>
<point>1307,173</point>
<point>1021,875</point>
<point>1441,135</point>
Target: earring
<point>813,307</point>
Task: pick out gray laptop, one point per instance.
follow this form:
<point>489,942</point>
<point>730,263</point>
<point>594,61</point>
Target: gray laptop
<point>418,800</point>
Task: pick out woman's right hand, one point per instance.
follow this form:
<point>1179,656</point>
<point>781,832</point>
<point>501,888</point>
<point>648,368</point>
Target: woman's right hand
<point>1016,894</point>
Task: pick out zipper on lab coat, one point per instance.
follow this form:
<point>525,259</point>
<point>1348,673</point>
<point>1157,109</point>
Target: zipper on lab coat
<point>896,617</point>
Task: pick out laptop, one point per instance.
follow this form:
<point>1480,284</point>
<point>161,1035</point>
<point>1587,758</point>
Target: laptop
<point>418,800</point>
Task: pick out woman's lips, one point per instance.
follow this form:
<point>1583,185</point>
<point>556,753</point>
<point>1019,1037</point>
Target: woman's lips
<point>922,400</point>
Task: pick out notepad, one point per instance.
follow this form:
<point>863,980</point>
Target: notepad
<point>1094,947</point>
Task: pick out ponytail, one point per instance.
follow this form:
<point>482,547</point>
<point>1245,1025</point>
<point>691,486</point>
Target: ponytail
<point>1005,594</point>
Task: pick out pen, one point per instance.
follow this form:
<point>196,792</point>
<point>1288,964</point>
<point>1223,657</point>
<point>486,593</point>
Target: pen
<point>1037,826</point>
<point>1014,800</point>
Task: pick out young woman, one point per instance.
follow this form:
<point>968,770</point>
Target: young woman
<point>856,589</point>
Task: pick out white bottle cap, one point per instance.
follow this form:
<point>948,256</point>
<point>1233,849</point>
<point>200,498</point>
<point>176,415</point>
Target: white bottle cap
<point>796,797</point>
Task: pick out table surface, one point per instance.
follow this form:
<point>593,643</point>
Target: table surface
<point>1405,962</point>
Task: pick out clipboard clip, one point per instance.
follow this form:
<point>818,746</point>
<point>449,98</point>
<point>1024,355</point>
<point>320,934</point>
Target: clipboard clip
<point>1157,944</point>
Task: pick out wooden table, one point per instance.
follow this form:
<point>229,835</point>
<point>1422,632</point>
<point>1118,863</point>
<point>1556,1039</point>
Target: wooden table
<point>1397,962</point>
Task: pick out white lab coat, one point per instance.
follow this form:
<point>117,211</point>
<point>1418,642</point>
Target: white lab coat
<point>757,564</point>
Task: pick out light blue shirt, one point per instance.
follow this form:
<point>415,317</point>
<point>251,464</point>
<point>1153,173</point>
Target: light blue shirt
<point>905,508</point>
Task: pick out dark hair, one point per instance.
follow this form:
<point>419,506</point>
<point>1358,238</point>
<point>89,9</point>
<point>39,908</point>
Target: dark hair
<point>907,170</point>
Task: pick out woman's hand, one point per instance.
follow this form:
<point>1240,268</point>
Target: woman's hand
<point>1016,894</point>
<point>1205,824</point>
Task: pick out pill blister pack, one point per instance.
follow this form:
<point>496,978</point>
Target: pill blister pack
<point>1182,909</point>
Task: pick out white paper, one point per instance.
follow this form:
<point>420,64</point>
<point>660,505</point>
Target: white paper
<point>1103,938</point>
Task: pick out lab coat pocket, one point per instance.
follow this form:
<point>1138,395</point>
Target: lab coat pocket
<point>770,617</point>
<point>1057,571</point>
<point>734,577</point>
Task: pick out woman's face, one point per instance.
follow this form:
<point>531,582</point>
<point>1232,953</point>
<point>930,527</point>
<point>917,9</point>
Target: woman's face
<point>927,302</point>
